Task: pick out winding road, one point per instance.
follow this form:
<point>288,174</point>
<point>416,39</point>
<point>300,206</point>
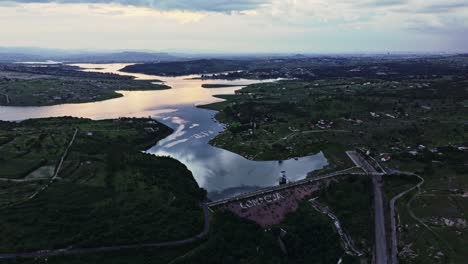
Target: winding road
<point>75,251</point>
<point>392,214</point>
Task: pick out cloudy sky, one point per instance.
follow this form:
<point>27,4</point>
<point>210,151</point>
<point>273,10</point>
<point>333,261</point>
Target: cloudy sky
<point>238,25</point>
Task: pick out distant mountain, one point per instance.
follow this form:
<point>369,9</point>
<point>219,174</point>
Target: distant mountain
<point>121,57</point>
<point>31,54</point>
<point>19,57</point>
<point>38,51</point>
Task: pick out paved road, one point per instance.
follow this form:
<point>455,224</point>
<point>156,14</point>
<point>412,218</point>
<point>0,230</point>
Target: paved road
<point>381,253</point>
<point>75,251</point>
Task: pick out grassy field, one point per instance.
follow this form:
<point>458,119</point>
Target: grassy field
<point>30,148</point>
<point>61,90</point>
<point>433,221</point>
<point>290,118</point>
<point>107,193</point>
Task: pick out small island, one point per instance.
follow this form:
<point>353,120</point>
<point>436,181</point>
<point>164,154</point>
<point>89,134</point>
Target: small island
<point>29,86</point>
<point>215,85</point>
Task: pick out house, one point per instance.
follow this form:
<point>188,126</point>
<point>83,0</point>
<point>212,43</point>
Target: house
<point>240,92</point>
<point>385,157</point>
<point>425,107</point>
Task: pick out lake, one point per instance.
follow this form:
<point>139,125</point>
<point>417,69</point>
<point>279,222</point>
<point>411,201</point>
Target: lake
<point>220,172</point>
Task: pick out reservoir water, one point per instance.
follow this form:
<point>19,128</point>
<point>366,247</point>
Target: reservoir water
<point>220,172</point>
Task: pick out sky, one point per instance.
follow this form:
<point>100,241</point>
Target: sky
<point>238,26</point>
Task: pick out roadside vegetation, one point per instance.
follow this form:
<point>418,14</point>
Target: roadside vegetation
<point>350,200</point>
<point>309,238</point>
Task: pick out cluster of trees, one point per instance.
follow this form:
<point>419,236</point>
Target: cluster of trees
<point>351,201</point>
<point>309,238</point>
<point>111,194</point>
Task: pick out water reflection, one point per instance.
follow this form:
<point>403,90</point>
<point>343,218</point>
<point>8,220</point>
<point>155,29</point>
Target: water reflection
<point>219,171</point>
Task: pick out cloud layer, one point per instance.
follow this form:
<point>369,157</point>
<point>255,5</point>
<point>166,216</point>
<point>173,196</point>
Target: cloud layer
<point>191,5</point>
<point>238,25</point>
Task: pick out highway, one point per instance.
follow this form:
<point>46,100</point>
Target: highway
<point>381,253</point>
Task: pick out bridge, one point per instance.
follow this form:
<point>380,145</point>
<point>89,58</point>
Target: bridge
<point>290,185</point>
<point>269,206</point>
